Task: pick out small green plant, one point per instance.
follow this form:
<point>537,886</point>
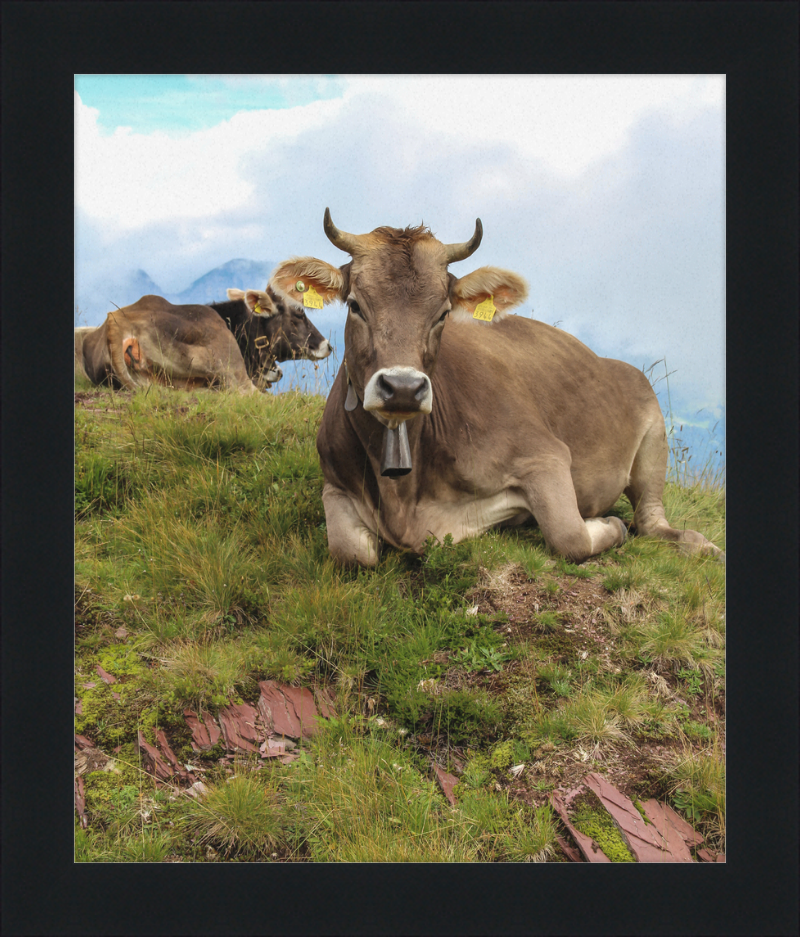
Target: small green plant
<point>240,817</point>
<point>481,658</point>
<point>693,680</point>
<point>597,823</point>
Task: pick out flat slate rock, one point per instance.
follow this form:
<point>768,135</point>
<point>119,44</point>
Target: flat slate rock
<point>168,753</point>
<point>572,854</point>
<point>288,710</point>
<point>239,728</point>
<point>205,732</point>
<point>104,675</point>
<point>155,763</point>
<point>688,835</point>
<point>447,782</point>
<point>80,802</point>
<point>644,840</point>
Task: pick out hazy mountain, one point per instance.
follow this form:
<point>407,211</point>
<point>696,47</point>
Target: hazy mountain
<point>211,287</point>
<point>98,298</point>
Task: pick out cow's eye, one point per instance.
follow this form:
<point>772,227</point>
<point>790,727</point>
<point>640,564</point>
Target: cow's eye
<point>443,316</point>
<point>353,306</point>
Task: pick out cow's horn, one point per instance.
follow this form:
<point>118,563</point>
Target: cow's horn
<point>462,251</point>
<point>341,239</point>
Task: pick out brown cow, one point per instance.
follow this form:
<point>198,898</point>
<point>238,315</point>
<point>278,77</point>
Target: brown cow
<point>439,423</point>
<point>153,341</point>
<point>267,327</point>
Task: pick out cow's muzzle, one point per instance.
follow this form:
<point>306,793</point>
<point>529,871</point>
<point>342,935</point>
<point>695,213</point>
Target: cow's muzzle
<point>397,394</point>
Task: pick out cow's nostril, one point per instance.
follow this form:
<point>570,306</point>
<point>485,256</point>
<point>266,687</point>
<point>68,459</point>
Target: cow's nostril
<point>385,388</point>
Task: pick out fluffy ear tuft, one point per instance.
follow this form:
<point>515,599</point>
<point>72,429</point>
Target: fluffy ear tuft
<point>326,279</point>
<point>506,290</point>
<point>235,294</point>
<point>259,303</point>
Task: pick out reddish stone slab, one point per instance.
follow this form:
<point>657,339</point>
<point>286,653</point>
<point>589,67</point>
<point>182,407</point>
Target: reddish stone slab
<point>292,711</point>
<point>273,748</point>
<point>205,732</point>
<point>588,847</point>
<point>305,709</point>
<point>104,675</point>
<point>279,717</point>
<point>154,763</point>
<point>82,742</point>
<point>80,802</point>
<point>644,842</point>
<point>708,855</point>
<point>447,782</point>
<point>572,854</point>
<point>169,754</point>
<point>673,840</point>
<point>239,729</point>
<point>89,686</point>
<point>324,703</point>
<point>690,837</point>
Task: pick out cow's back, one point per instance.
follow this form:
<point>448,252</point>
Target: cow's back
<point>535,372</point>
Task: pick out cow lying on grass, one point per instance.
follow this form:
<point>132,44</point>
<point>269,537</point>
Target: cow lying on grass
<point>451,416</point>
<point>233,344</point>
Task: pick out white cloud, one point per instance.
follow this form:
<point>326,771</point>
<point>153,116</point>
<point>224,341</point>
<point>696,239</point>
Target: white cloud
<point>566,121</point>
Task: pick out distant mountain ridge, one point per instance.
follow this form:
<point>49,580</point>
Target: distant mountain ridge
<point>239,273</point>
<point>100,297</point>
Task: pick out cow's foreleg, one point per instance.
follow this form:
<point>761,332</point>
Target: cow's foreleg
<point>350,541</point>
<point>646,491</point>
<point>555,506</point>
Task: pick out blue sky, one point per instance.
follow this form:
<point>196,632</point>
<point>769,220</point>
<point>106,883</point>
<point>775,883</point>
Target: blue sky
<point>607,193</point>
<point>178,103</point>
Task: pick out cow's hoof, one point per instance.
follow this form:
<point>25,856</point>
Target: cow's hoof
<point>624,529</point>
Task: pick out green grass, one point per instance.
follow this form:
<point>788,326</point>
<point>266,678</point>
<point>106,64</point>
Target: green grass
<point>200,532</point>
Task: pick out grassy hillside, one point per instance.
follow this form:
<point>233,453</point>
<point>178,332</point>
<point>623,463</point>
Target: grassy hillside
<point>202,569</point>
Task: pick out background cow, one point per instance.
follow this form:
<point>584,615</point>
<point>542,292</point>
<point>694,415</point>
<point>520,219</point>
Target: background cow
<point>266,328</point>
<point>439,423</point>
<point>153,341</point>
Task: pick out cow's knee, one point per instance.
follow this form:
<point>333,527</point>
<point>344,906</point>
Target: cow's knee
<point>588,538</point>
<point>350,541</point>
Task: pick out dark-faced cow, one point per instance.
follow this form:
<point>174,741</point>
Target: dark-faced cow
<point>153,341</point>
<point>270,327</point>
<point>439,423</point>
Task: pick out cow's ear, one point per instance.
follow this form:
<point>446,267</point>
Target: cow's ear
<point>259,303</point>
<point>474,295</point>
<point>235,294</point>
<point>295,277</point>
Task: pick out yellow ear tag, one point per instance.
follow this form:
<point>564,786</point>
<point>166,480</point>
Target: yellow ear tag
<point>485,310</point>
<point>312,299</point>
<point>258,310</point>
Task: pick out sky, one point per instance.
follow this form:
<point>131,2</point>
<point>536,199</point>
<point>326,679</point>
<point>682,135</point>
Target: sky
<point>606,193</point>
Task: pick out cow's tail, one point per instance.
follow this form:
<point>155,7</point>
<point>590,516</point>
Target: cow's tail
<point>114,336</point>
